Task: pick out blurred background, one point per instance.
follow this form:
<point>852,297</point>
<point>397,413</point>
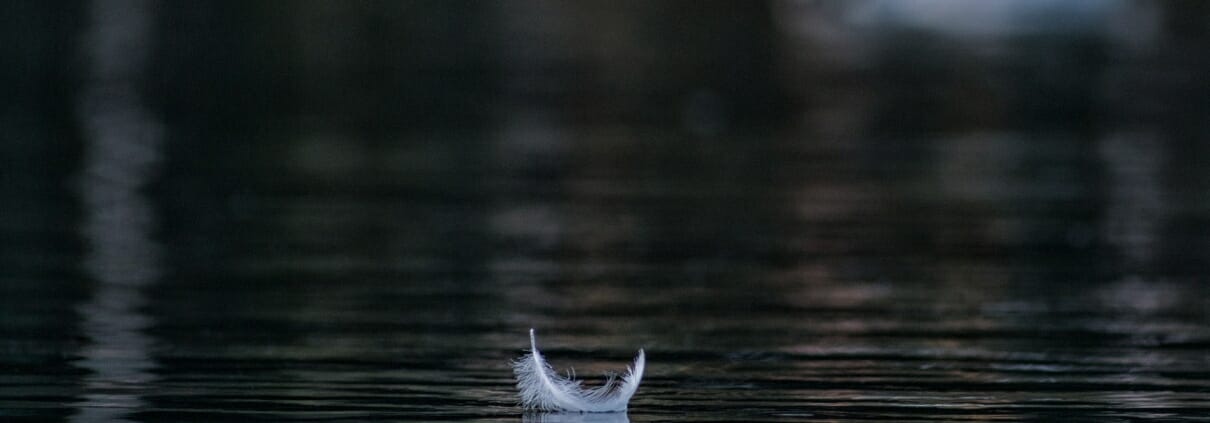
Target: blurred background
<point>865,209</point>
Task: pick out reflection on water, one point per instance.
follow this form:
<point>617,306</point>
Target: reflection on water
<point>575,418</point>
<point>336,212</point>
<point>122,150</point>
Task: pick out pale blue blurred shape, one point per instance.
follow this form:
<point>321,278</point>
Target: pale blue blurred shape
<point>987,17</point>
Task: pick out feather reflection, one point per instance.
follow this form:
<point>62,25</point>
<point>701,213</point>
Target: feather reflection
<point>621,417</point>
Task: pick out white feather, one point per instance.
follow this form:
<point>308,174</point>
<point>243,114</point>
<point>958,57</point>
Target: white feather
<point>541,388</point>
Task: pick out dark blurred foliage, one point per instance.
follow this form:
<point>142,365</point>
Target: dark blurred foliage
<point>412,66</point>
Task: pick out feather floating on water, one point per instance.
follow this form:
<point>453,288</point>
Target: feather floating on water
<point>542,388</point>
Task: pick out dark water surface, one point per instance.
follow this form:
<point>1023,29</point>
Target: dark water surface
<point>767,281</point>
<point>355,211</point>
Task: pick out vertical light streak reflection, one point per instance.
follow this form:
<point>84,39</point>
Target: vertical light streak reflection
<point>122,148</point>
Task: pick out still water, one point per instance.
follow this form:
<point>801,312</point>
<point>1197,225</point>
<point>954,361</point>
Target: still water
<point>336,212</point>
<point>771,276</point>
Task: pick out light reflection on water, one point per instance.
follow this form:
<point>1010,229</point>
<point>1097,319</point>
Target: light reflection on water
<point>121,153</point>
